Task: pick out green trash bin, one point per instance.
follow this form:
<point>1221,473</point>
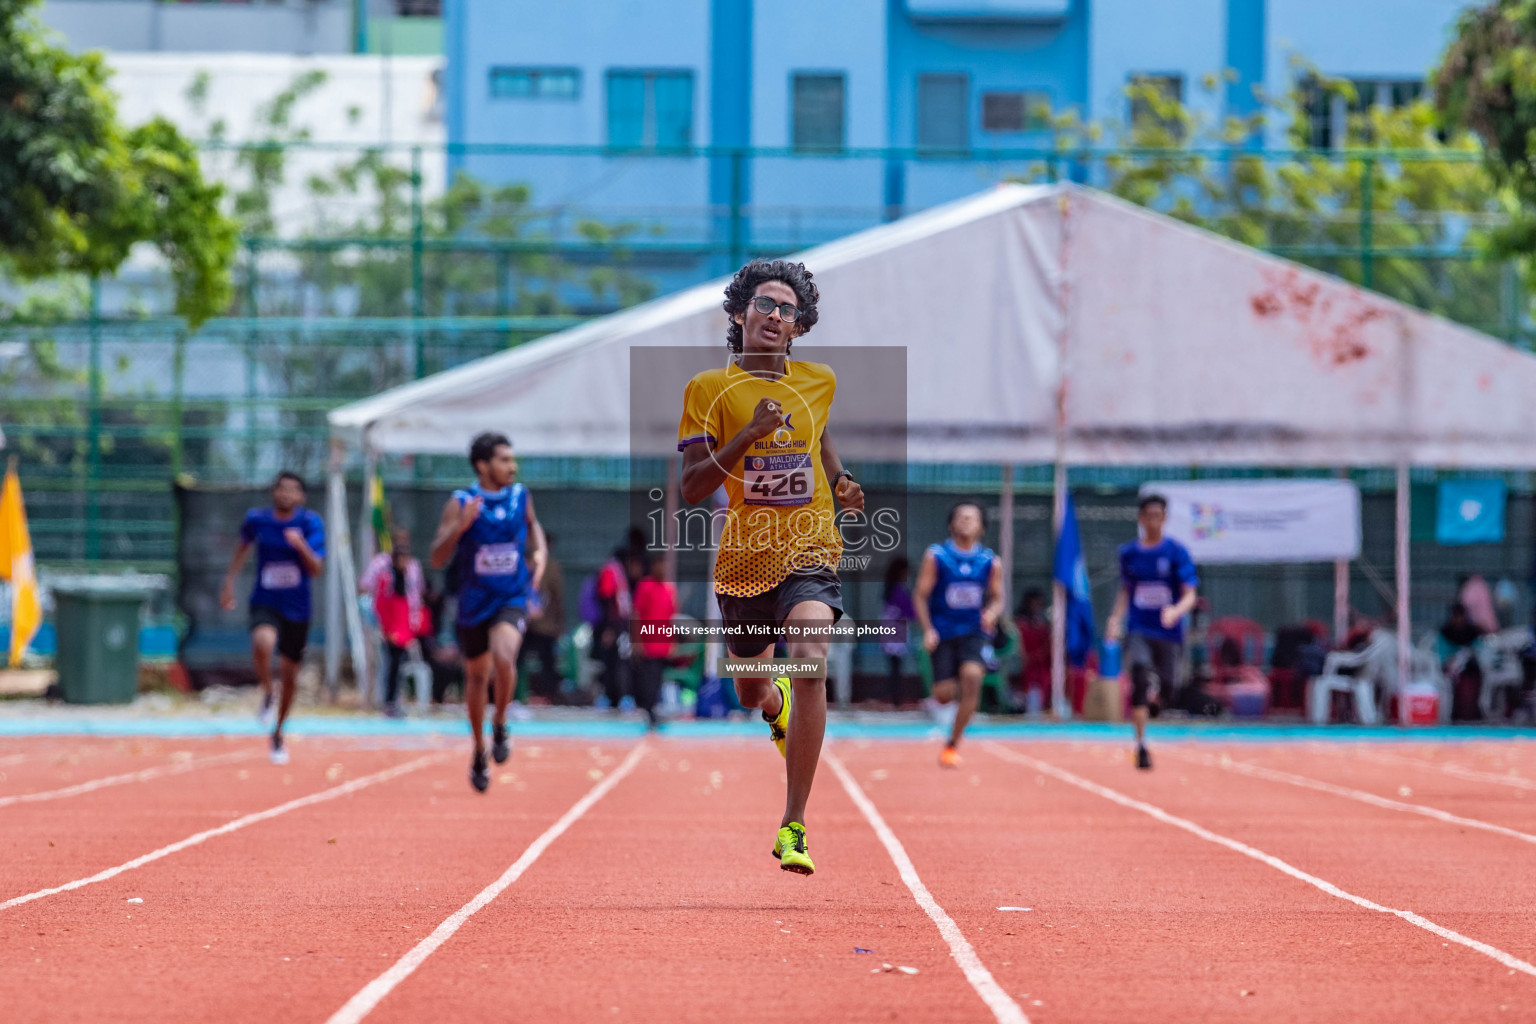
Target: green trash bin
<point>97,621</point>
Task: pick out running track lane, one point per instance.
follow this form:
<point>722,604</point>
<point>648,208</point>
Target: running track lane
<point>47,844</point>
<point>1131,920</point>
<point>278,909</point>
<point>52,763</point>
<point>1453,879</point>
<point>664,904</point>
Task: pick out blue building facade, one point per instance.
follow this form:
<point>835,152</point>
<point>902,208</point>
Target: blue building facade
<point>822,92</point>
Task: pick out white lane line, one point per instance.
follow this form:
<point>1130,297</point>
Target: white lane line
<point>6,762</point>
<point>1046,768</point>
<point>1469,774</point>
<point>999,1002</point>
<point>360,1005</point>
<point>175,768</point>
<point>233,826</point>
<point>1271,774</point>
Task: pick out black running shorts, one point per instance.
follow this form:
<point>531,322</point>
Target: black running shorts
<point>1150,656</point>
<point>954,652</point>
<point>476,640</point>
<point>292,634</point>
<point>774,605</point>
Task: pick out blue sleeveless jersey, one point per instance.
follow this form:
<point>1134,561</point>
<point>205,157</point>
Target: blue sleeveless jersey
<point>960,589</point>
<point>491,556</point>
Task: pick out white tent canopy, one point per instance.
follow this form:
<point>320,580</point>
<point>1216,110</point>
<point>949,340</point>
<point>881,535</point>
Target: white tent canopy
<point>1048,324</point>
<point>1178,347</point>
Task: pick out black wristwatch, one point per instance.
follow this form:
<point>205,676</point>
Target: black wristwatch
<point>838,478</point>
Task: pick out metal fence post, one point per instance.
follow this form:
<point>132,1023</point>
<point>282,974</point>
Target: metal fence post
<point>178,391</point>
<point>418,271</point>
<point>504,282</point>
<point>251,249</point>
<point>738,240</point>
<point>93,440</point>
<point>1368,222</point>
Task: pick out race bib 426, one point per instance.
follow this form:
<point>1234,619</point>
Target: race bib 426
<point>778,479</point>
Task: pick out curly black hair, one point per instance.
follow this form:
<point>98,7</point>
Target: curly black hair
<point>738,294</point>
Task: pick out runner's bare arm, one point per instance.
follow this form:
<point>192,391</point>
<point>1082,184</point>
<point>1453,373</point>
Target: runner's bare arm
<point>236,563</point>
<point>993,612</point>
<point>451,525</point>
<point>313,563</point>
<point>849,494</point>
<point>539,557</point>
<point>922,588</point>
<point>706,468</point>
<point>1174,612</point>
<point>1114,629</point>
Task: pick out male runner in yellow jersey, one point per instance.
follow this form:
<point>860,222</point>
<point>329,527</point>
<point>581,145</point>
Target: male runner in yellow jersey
<point>759,427</point>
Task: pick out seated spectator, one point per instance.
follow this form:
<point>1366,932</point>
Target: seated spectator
<point>1458,634</point>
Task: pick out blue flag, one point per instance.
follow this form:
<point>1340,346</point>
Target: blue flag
<point>1071,572</point>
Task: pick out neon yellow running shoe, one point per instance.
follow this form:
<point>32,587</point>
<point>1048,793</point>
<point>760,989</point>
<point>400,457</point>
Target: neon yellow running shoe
<point>778,727</point>
<point>790,849</point>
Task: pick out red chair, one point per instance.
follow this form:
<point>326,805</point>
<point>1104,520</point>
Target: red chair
<point>1289,688</point>
<point>1235,647</point>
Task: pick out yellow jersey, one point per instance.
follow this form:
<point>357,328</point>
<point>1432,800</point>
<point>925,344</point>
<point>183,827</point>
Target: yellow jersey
<point>781,517</point>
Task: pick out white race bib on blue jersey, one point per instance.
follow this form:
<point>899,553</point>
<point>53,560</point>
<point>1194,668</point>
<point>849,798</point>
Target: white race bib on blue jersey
<point>281,576</point>
<point>963,596</point>
<point>497,560</point>
<point>1152,596</point>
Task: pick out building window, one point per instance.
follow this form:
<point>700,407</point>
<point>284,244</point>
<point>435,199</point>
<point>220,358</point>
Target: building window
<point>535,83</point>
<point>942,104</point>
<point>1329,110</point>
<point>816,102</point>
<point>1015,111</point>
<point>1151,95</point>
<point>418,8</point>
<point>650,109</point>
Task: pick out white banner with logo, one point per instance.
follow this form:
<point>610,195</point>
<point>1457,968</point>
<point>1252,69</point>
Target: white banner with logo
<point>1263,520</point>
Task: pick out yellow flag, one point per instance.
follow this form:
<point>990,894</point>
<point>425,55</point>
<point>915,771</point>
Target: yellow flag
<point>16,566</point>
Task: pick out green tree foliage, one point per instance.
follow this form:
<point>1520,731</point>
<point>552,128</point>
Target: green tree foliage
<point>78,189</point>
<point>1486,83</point>
<point>1432,203</point>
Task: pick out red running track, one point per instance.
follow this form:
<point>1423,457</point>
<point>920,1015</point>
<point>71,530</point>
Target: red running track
<point>661,901</point>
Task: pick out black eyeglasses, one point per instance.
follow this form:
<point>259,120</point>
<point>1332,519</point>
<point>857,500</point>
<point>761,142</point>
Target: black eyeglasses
<point>765,305</point>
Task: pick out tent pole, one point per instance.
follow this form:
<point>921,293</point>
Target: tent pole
<point>1340,589</point>
<point>1404,625</point>
<point>674,502</point>
<point>335,513</point>
<point>1340,601</point>
<point>1059,600</point>
<point>361,663</point>
<point>1005,535</point>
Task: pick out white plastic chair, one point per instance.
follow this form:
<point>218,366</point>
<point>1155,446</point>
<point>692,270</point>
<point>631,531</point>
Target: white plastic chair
<point>1499,658</point>
<point>1369,672</point>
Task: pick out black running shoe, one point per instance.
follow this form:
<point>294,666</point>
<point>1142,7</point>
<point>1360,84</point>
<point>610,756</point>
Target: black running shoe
<point>1143,759</point>
<point>479,772</point>
<point>501,746</point>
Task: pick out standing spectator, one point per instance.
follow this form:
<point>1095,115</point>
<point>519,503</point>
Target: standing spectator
<point>655,603</point>
<point>399,590</point>
<point>546,623</point>
<point>610,637</point>
<point>896,604</point>
<point>1034,678</point>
